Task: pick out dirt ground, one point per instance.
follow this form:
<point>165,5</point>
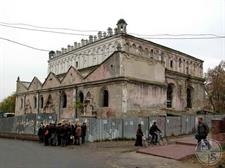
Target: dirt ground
<point>194,160</point>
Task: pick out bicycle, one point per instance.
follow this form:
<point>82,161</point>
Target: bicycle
<point>160,140</point>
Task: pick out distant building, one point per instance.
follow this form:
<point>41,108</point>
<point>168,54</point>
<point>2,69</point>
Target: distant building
<point>115,74</point>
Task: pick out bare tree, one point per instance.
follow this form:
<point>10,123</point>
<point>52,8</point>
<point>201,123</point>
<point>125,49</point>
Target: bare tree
<point>215,87</point>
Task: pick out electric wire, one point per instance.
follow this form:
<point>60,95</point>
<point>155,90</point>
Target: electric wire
<point>22,44</point>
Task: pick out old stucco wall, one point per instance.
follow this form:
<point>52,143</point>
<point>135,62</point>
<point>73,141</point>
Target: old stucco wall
<point>145,99</point>
<point>143,68</point>
<point>180,85</point>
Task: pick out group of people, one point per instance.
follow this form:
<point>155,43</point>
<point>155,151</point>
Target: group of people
<point>62,134</point>
<point>201,132</point>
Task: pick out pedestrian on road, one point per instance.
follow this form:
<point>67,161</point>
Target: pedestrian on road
<point>83,132</point>
<point>77,134</point>
<point>202,130</point>
<point>46,135</point>
<point>139,135</point>
<point>40,133</point>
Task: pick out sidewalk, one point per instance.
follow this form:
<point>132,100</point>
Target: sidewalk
<point>177,149</point>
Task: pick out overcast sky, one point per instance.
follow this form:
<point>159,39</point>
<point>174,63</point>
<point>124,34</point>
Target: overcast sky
<point>143,17</point>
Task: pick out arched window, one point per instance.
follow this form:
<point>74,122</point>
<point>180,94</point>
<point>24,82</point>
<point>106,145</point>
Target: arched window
<point>151,53</point>
<point>170,95</point>
<point>35,102</point>
<point>64,100</point>
<point>104,98</point>
<point>42,102</point>
<point>81,97</point>
<point>189,98</point>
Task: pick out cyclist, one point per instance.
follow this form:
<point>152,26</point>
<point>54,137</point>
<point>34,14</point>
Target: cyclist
<point>153,132</point>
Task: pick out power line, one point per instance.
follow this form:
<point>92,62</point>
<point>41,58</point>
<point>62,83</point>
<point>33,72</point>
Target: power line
<point>52,28</point>
<point>184,38</point>
<point>151,36</point>
<point>22,44</point>
<point>48,31</point>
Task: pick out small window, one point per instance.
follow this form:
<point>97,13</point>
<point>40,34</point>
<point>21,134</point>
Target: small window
<point>42,102</point>
<point>187,69</point>
<point>21,103</point>
<point>76,64</point>
<point>180,63</point>
<point>81,97</point>
<point>64,100</point>
<point>111,66</point>
<point>189,98</point>
<point>171,63</point>
<point>35,102</point>
<point>151,52</point>
<point>104,98</point>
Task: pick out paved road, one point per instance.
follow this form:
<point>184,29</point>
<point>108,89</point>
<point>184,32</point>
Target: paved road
<point>24,154</point>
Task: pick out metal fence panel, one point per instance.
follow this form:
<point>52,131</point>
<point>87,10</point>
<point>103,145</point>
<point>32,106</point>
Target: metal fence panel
<point>92,127</point>
<point>7,124</point>
<point>130,126</point>
<point>173,126</point>
<point>109,128</point>
<point>101,129</point>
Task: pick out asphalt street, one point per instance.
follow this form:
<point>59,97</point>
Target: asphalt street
<point>25,154</point>
<point>113,154</point>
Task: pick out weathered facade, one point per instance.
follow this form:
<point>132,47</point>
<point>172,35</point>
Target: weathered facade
<point>115,75</point>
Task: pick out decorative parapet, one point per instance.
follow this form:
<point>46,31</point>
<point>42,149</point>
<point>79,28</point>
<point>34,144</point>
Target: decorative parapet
<point>121,28</point>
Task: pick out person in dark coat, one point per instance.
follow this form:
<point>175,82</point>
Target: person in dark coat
<point>153,132</point>
<point>139,135</point>
<point>63,135</point>
<point>83,132</point>
<point>46,135</point>
<point>58,132</point>
<point>53,136</point>
<point>202,130</point>
<point>41,134</point>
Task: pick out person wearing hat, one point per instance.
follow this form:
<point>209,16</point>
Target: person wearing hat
<point>77,134</point>
<point>83,132</point>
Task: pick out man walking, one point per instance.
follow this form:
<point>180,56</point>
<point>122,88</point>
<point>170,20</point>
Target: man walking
<point>202,130</point>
